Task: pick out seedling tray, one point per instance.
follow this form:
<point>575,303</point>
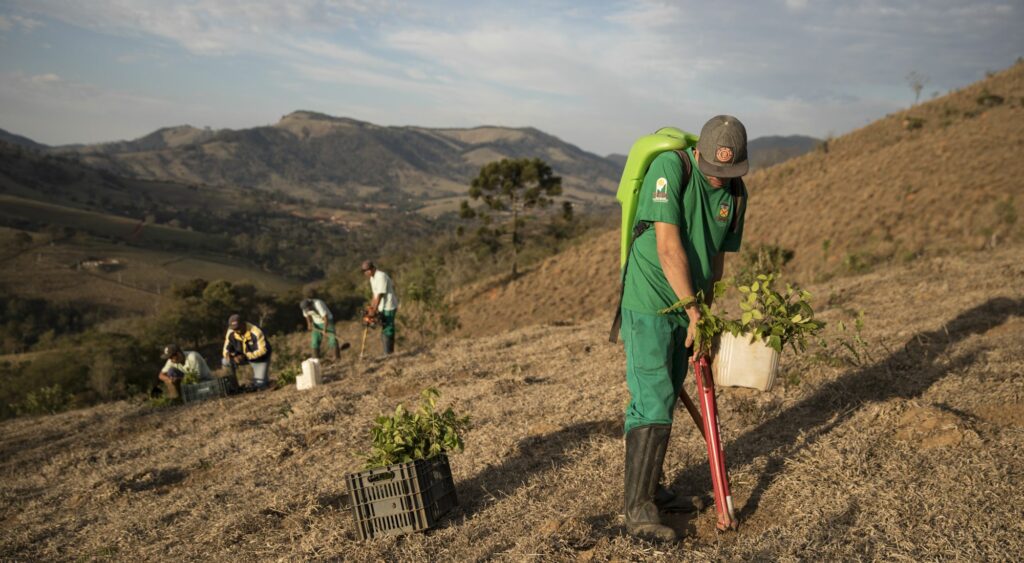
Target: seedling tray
<point>205,390</point>
<point>402,498</point>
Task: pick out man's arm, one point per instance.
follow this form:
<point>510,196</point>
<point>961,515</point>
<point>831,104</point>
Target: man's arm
<point>261,344</point>
<point>677,269</point>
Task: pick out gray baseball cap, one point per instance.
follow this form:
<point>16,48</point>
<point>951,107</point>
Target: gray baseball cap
<point>723,147</point>
<point>170,350</point>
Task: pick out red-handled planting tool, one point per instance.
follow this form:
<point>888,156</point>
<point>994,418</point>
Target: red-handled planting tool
<point>716,457</point>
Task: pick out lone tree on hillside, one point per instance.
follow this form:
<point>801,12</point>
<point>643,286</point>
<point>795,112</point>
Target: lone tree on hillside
<point>916,80</point>
<point>514,186</point>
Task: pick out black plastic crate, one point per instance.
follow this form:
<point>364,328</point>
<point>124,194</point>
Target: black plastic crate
<point>402,498</point>
<point>205,390</point>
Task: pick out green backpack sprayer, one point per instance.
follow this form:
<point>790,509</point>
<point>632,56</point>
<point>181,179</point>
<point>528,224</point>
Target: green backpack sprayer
<point>643,152</point>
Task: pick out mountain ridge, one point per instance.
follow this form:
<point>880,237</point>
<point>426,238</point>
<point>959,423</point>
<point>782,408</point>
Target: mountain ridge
<point>312,154</point>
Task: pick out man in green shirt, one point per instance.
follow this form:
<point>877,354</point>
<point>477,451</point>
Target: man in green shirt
<point>692,224</point>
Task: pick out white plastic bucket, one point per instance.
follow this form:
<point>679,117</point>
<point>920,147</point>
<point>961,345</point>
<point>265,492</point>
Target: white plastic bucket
<point>310,377</point>
<point>741,363</point>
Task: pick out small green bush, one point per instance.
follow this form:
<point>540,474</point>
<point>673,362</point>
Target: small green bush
<point>848,347</point>
<point>911,123</point>
<point>988,99</point>
<point>45,400</point>
<point>287,376</point>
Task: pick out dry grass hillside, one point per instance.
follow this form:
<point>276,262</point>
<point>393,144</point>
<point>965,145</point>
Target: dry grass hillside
<point>881,193</point>
<point>916,453</point>
<point>580,283</point>
<point>943,175</point>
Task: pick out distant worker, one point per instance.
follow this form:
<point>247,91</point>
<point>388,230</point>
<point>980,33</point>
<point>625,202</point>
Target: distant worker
<point>179,364</point>
<point>384,303</point>
<point>245,343</point>
<point>689,215</point>
<point>320,321</point>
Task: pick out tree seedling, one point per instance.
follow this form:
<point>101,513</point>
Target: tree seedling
<point>776,318</point>
<point>424,434</point>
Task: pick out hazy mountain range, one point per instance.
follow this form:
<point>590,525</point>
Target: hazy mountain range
<point>313,155</point>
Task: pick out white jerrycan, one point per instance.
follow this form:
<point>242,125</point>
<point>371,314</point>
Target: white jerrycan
<point>310,377</point>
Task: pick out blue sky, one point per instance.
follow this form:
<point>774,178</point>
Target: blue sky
<point>596,74</point>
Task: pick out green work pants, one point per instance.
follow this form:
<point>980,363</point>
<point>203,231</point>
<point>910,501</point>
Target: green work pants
<point>318,334</point>
<point>656,364</point>
<point>387,322</point>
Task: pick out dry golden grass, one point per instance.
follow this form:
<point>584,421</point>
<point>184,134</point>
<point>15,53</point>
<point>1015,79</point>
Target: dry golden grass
<point>892,191</point>
<point>914,455</point>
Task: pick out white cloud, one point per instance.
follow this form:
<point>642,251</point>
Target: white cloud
<point>209,27</point>
<point>48,78</point>
<point>796,5</point>
<point>12,21</point>
<point>646,15</point>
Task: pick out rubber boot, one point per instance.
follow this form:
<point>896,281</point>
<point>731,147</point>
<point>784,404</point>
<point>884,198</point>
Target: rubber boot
<point>645,452</point>
<point>669,501</point>
<point>335,354</point>
<point>389,344</point>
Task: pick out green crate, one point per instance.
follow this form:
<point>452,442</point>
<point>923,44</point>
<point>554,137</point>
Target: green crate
<point>205,390</point>
<point>402,498</point>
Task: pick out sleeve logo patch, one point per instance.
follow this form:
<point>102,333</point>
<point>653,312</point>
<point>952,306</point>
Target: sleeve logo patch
<point>661,191</point>
<point>723,212</point>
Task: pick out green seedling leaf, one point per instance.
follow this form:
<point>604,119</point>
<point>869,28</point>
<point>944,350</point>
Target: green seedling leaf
<point>721,287</point>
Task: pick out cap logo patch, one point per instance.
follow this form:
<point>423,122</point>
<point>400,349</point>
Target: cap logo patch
<point>661,190</point>
<point>723,154</point>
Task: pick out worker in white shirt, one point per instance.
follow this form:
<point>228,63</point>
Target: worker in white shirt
<point>384,302</point>
<point>180,363</point>
<point>320,322</point>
